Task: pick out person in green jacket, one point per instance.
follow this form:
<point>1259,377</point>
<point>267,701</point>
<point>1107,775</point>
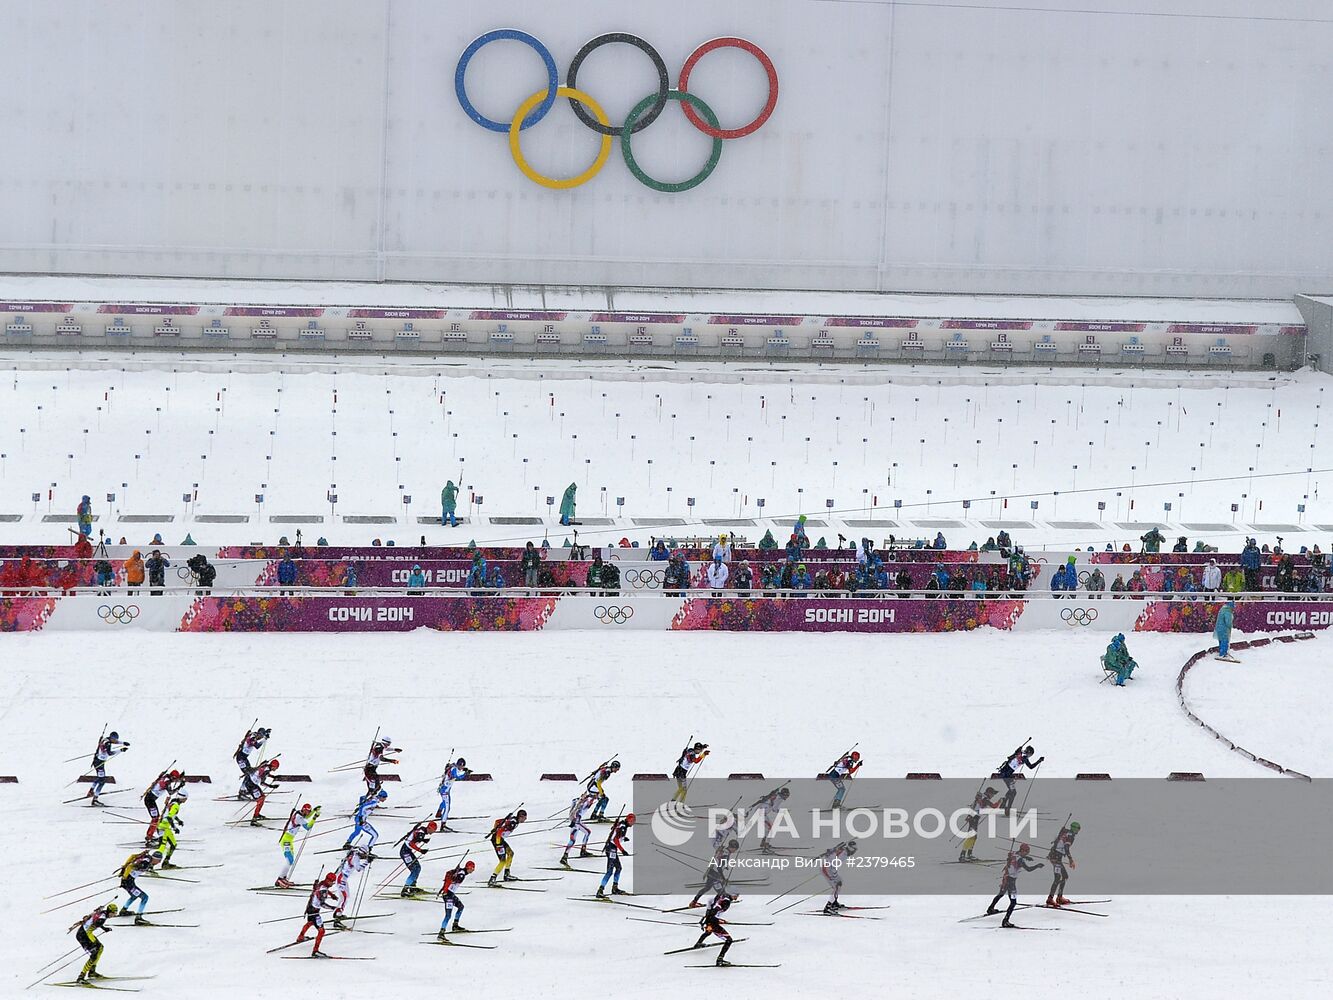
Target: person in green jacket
<point>1152,541</point>
<point>596,574</point>
<point>768,543</point>
<point>1119,660</point>
<point>567,504</point>
<point>448,504</point>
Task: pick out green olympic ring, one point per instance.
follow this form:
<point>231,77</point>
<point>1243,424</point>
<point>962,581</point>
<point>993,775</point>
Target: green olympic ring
<point>626,136</point>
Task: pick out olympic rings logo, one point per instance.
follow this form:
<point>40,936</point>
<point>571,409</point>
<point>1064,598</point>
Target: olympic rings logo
<point>612,615</point>
<point>645,579</point>
<point>590,113</point>
<point>1078,616</point>
<point>121,614</point>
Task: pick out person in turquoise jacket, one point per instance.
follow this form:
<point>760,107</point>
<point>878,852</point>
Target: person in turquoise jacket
<point>1119,660</point>
<point>567,504</point>
<point>448,504</point>
<point>476,576</point>
<point>1222,630</point>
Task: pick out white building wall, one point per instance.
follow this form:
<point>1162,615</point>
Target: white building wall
<point>1148,147</point>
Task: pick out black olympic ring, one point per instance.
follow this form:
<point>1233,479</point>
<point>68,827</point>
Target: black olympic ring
<point>1078,616</point>
<point>649,579</point>
<point>663,82</point>
<point>612,614</point>
<point>121,613</point>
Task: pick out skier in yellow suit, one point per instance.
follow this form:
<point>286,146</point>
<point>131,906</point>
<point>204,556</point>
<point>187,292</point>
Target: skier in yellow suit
<point>170,826</point>
<point>86,927</point>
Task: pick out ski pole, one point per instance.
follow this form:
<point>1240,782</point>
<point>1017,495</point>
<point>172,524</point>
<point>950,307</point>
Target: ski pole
<point>296,858</point>
<point>694,773</point>
<point>803,899</point>
<point>72,902</point>
<point>336,829</point>
<point>397,868</point>
<point>64,892</point>
<point>612,832</point>
<point>1028,791</point>
<point>278,920</point>
<point>674,856</point>
<point>82,756</point>
<point>131,819</point>
<point>61,958</point>
<point>793,889</point>
<point>47,975</point>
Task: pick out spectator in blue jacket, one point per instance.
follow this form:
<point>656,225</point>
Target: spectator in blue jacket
<point>793,549</point>
<point>881,575</point>
<point>801,581</point>
<point>1058,580</point>
<point>349,579</point>
<point>941,577</point>
<point>1249,562</point>
<point>497,579</point>
<point>659,552</point>
<point>416,580</point>
<point>286,574</point>
<point>939,540</point>
<point>157,566</point>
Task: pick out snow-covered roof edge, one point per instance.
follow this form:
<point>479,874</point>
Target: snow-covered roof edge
<point>61,288</point>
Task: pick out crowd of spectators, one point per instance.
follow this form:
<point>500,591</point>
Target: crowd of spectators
<point>796,568</point>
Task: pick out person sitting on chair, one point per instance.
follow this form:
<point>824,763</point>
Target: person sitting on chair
<point>1119,661</point>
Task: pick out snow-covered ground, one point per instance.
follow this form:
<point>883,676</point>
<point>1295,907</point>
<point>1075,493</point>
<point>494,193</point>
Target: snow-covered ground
<point>1275,704</point>
<point>153,428</point>
<point>520,704</point>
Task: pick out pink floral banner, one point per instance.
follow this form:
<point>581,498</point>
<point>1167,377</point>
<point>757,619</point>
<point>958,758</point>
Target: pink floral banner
<point>366,614</point>
<point>764,614</point>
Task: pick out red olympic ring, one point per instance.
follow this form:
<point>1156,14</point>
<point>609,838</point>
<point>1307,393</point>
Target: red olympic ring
<point>724,43</point>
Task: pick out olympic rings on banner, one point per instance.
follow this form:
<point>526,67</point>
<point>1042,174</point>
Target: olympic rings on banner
<point>1078,616</point>
<point>552,76</point>
<point>122,614</point>
<point>711,129</point>
<point>612,615</point>
<point>647,111</point>
<point>686,100</point>
<point>659,100</point>
<point>516,148</point>
<point>644,579</point>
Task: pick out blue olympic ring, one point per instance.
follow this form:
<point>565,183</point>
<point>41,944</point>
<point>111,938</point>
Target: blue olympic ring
<point>512,34</point>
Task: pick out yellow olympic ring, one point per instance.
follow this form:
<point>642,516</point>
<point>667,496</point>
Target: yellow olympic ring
<point>517,150</point>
